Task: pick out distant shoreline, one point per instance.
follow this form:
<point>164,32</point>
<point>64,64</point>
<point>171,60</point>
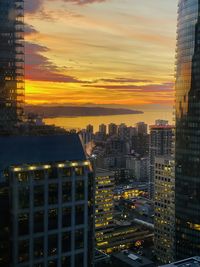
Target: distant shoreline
<point>47,112</point>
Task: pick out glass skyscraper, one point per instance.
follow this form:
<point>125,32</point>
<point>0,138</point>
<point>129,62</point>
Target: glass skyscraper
<point>187,196</point>
<point>11,61</point>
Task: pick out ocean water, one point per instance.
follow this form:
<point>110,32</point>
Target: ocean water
<point>149,117</point>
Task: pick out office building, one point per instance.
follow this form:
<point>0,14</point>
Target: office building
<point>164,220</point>
<point>112,129</point>
<point>187,200</point>
<point>138,167</point>
<point>104,206</point>
<point>11,62</point>
<point>125,132</point>
<point>45,202</point>
<point>141,128</point>
<point>140,144</point>
<point>102,129</point>
<point>160,144</point>
<point>90,128</point>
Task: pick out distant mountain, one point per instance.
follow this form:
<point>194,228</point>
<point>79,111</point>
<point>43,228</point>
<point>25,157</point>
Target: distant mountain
<point>70,111</point>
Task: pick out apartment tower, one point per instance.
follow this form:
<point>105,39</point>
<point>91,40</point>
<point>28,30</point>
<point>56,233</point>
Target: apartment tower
<point>11,62</point>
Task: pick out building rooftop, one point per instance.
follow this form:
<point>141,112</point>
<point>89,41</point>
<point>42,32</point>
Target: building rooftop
<point>190,262</point>
<point>127,258</point>
<point>161,127</point>
<point>18,150</point>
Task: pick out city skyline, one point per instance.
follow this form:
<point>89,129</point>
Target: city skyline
<point>109,53</point>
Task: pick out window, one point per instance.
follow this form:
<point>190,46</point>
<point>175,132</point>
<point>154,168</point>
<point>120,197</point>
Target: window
<point>66,242</point>
<point>52,263</point>
<point>79,171</point>
<point>53,194</point>
<point>67,191</point>
<point>80,190</point>
<point>52,219</point>
<point>53,173</point>
<point>39,175</point>
<point>39,265</point>
<point>66,217</point>
<point>23,251</point>
<point>23,197</point>
<point>38,221</point>
<point>39,247</point>
<point>22,176</point>
<point>66,172</point>
<point>79,214</point>
<point>66,261</point>
<point>39,196</point>
<point>23,224</point>
<point>79,238</point>
<point>52,245</point>
<point>79,260</point>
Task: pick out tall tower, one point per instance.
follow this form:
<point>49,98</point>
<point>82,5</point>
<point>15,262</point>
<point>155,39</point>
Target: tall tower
<point>11,61</point>
<point>187,196</point>
<point>160,144</point>
<point>164,209</point>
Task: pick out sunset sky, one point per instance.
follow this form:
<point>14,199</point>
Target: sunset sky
<point>114,52</point>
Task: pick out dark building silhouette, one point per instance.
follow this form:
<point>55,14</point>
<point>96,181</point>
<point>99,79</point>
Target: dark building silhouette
<point>187,197</point>
<point>11,62</point>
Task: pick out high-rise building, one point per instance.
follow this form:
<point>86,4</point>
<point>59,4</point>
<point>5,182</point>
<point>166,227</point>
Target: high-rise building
<point>46,208</point>
<point>187,197</point>
<point>112,129</point>
<point>140,144</point>
<point>160,144</point>
<point>102,129</point>
<point>90,128</point>
<point>164,220</point>
<point>11,62</point>
<point>104,207</point>
<point>123,132</point>
<point>141,128</point>
<point>138,167</point>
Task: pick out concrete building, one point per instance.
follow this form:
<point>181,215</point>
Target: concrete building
<point>103,129</point>
<point>112,129</point>
<point>104,206</point>
<point>138,166</point>
<point>46,202</point>
<point>90,128</point>
<point>161,143</point>
<point>141,128</point>
<point>164,206</point>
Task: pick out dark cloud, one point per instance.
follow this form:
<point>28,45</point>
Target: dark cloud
<point>31,6</point>
<point>84,2</point>
<point>29,29</point>
<point>40,68</point>
<point>135,88</point>
<point>124,80</point>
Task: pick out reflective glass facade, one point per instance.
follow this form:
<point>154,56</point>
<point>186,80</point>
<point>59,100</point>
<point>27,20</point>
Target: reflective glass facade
<point>11,61</point>
<point>187,197</point>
